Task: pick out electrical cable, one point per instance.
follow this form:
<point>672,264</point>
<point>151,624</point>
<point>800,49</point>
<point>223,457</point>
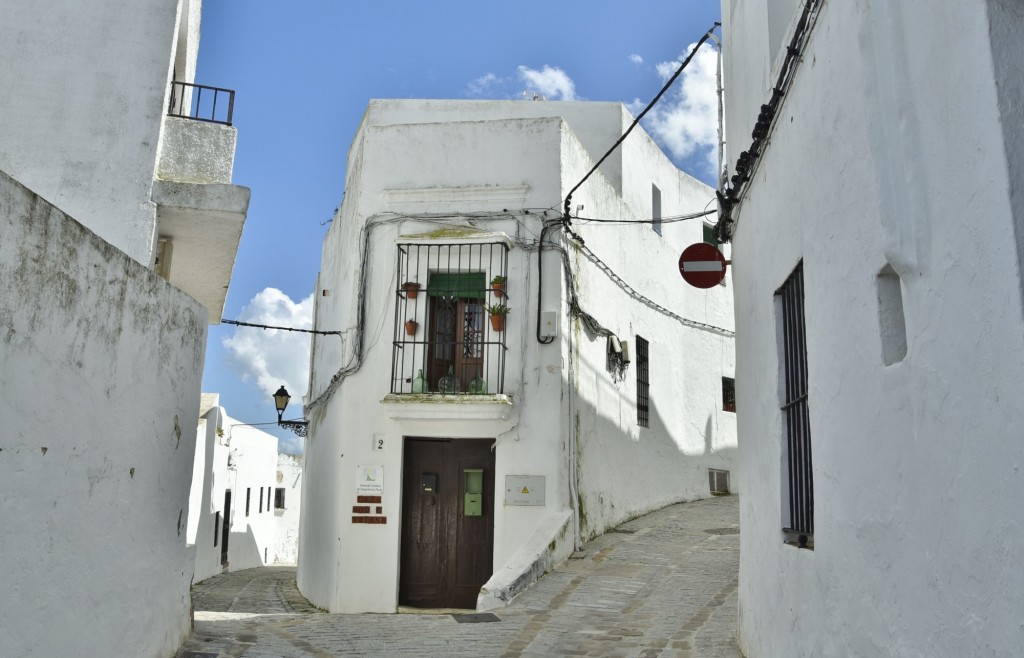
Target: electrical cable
<point>270,326</point>
<point>568,198</point>
<point>730,195</point>
<point>664,220</point>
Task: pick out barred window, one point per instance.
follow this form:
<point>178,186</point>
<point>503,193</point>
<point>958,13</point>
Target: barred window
<point>447,338</point>
<point>798,480</point>
<point>728,394</point>
<point>643,383</point>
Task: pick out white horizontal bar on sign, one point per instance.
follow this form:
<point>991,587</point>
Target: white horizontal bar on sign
<point>702,266</point>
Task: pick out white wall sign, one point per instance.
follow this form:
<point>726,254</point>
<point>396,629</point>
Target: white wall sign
<point>370,480</point>
<point>378,442</point>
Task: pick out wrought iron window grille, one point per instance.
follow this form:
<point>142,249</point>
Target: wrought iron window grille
<point>799,476</point>
<point>443,342</point>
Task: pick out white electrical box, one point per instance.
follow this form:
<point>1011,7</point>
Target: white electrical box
<point>548,324</point>
<point>524,490</point>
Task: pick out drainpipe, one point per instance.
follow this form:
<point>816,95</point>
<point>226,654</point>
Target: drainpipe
<point>573,484</point>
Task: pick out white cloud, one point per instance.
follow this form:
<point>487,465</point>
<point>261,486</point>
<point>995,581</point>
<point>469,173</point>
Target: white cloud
<point>551,82</point>
<point>685,121</point>
<point>269,358</point>
<point>486,85</point>
<point>636,59</point>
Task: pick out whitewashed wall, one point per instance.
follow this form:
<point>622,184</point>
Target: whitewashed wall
<point>209,480</point>
<point>101,363</point>
<point>243,460</point>
<point>885,153</point>
<point>499,155</point>
<point>627,470</point>
<point>80,127</point>
<point>289,477</point>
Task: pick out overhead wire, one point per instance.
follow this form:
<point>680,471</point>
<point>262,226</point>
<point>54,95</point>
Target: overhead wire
<point>568,198</point>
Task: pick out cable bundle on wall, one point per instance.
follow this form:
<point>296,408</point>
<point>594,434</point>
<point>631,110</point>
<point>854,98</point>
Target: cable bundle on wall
<point>730,195</point>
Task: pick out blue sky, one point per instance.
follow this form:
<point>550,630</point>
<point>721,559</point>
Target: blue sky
<point>304,72</point>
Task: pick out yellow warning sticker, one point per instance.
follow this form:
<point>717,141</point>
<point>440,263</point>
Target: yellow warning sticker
<point>525,490</point>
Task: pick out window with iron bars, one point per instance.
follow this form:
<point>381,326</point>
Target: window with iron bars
<point>643,383</point>
<point>798,481</point>
<point>444,342</point>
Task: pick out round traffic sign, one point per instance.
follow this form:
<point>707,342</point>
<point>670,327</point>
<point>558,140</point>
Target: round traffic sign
<point>702,265</point>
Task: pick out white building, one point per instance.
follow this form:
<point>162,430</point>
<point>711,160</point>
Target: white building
<point>100,192</point>
<point>877,252</point>
<point>449,456</point>
<point>239,500</point>
<point>102,117</point>
<point>287,508</point>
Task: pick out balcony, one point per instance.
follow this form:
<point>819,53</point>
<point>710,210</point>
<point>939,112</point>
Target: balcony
<point>199,212</point>
<point>447,340</point>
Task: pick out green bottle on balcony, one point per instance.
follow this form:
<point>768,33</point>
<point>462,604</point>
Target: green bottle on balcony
<point>478,385</point>
<point>419,385</point>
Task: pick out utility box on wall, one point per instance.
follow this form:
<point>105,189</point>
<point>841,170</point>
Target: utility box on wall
<point>473,483</point>
<point>524,490</point>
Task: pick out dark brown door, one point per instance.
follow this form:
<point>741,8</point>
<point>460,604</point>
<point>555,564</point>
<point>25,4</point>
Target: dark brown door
<point>447,537</point>
<point>456,341</point>
<point>226,529</point>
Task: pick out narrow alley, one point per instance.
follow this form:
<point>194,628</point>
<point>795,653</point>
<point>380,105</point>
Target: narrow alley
<point>660,585</point>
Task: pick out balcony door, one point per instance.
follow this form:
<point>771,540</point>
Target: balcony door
<point>456,330</point>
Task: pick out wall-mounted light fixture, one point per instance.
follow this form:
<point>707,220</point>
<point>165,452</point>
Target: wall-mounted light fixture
<point>281,398</point>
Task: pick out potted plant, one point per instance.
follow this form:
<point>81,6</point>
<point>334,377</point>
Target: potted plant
<point>498,285</point>
<point>411,326</point>
<point>498,313</point>
<point>410,288</point>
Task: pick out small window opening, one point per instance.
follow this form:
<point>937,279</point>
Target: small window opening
<point>279,498</point>
<point>216,527</point>
<point>891,322</point>
<point>729,394</point>
<point>718,481</point>
<point>261,500</point>
<point>248,496</point>
<point>656,209</point>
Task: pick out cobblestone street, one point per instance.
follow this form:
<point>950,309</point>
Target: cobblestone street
<point>660,585</point>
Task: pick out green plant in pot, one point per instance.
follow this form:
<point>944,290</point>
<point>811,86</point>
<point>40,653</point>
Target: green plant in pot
<point>498,285</point>
<point>498,313</point>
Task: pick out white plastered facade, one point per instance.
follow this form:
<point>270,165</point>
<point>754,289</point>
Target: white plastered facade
<point>562,414</point>
<point>896,153</point>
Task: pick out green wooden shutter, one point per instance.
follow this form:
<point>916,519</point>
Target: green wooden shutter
<point>470,285</point>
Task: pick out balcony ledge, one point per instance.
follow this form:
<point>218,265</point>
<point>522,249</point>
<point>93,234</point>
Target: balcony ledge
<point>434,406</point>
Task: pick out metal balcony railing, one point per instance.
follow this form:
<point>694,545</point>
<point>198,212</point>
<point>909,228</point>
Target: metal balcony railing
<point>201,103</point>
<point>445,341</point>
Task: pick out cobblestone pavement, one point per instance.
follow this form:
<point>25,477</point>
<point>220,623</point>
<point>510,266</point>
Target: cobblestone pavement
<point>660,585</point>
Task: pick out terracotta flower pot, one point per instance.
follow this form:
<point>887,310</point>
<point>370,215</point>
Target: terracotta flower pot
<point>411,326</point>
<point>411,289</point>
<point>498,322</point>
<point>498,289</point>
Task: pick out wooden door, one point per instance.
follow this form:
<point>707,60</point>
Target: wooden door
<point>226,529</point>
<point>447,554</point>
<point>456,335</point>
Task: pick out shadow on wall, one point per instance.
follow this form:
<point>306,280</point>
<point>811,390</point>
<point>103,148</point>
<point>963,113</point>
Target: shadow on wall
<point>625,471</point>
<point>243,550</point>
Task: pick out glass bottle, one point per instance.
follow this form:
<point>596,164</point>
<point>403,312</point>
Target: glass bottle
<point>449,384</point>
<point>419,385</point>
<point>478,385</point>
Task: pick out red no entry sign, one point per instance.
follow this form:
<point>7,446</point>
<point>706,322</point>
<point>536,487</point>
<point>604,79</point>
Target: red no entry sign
<point>702,265</point>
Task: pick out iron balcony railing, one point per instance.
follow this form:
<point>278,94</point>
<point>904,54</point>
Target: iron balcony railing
<point>445,338</point>
<point>201,103</point>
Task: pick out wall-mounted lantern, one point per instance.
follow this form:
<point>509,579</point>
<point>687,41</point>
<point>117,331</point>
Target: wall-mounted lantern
<point>281,398</point>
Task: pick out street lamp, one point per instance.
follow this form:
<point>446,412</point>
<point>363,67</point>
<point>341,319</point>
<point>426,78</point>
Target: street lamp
<point>281,399</point>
